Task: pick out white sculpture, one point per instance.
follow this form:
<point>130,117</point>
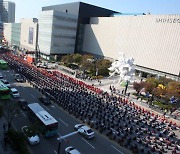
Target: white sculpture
<point>124,67</point>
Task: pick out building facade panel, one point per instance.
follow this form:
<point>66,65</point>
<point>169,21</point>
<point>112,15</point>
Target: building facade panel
<point>7,33</point>
<point>57,31</point>
<point>29,28</point>
<point>152,40</point>
<point>15,34</point>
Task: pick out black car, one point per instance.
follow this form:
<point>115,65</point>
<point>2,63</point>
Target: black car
<point>45,100</point>
<point>22,103</point>
<point>18,78</point>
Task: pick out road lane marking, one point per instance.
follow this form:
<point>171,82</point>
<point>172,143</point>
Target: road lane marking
<point>88,143</point>
<point>33,96</point>
<point>63,122</point>
<point>117,149</point>
<point>55,151</point>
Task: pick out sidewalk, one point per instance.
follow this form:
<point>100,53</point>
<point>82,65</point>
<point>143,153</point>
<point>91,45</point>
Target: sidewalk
<point>4,148</point>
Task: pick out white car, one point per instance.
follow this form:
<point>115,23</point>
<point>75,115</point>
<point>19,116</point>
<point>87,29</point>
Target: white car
<point>6,83</point>
<point>14,93</point>
<point>84,130</point>
<point>32,137</point>
<point>71,150</point>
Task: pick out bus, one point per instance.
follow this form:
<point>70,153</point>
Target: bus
<point>3,64</point>
<point>39,117</point>
<point>4,91</point>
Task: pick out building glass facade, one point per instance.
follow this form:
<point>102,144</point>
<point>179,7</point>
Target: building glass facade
<point>15,34</point>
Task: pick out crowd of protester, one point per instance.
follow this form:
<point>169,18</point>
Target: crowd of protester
<point>123,121</point>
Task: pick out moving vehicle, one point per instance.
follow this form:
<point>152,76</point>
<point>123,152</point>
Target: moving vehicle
<point>45,100</point>
<point>3,64</point>
<point>71,150</point>
<point>84,130</point>
<point>1,76</point>
<point>31,135</point>
<point>6,83</point>
<point>14,93</point>
<point>4,91</point>
<point>47,124</point>
<point>18,78</point>
<point>22,103</point>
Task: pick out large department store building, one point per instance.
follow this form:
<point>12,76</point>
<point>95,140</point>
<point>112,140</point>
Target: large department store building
<point>152,40</point>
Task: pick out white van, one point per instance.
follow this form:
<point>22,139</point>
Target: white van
<point>14,93</point>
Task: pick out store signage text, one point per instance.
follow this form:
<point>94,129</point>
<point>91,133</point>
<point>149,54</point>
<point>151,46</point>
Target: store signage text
<point>169,20</point>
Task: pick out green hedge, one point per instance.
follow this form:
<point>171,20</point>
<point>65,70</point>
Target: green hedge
<point>162,105</point>
<point>18,141</point>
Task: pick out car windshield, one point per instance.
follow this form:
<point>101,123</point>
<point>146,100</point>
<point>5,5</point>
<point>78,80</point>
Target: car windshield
<point>15,92</point>
<point>89,131</point>
<point>71,148</point>
<point>80,126</point>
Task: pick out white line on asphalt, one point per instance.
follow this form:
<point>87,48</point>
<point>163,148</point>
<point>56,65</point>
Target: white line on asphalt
<point>33,96</point>
<point>63,122</point>
<point>88,143</point>
<point>23,113</point>
<point>55,151</point>
<point>117,149</point>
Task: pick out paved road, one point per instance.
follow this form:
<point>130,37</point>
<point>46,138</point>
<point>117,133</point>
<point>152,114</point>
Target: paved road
<point>98,145</point>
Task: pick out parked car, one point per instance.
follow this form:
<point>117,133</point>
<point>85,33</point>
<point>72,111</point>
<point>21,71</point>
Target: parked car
<point>14,93</point>
<point>31,135</point>
<point>1,76</point>
<point>45,100</point>
<point>84,130</point>
<point>6,83</point>
<point>22,103</point>
<point>71,150</point>
<point>18,78</point>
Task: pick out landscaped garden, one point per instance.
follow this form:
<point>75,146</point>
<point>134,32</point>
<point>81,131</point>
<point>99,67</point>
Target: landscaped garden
<point>163,92</point>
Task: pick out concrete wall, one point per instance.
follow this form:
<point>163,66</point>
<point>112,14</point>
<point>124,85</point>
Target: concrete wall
<point>29,28</point>
<point>7,32</point>
<point>152,40</point>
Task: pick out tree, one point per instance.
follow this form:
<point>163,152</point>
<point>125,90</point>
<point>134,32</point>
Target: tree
<point>1,111</point>
<point>138,86</point>
<point>164,81</point>
<point>103,65</point>
<point>149,87</point>
<point>173,89</point>
<point>12,109</point>
<point>77,58</point>
<point>153,80</point>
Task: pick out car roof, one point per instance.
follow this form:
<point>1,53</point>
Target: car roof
<point>73,151</point>
<point>85,127</point>
<point>13,89</point>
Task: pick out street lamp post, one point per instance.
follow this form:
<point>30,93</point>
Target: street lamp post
<point>59,145</point>
<point>60,138</point>
<point>127,83</point>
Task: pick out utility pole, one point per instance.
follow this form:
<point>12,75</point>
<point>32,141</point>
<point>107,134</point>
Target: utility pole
<point>60,138</point>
